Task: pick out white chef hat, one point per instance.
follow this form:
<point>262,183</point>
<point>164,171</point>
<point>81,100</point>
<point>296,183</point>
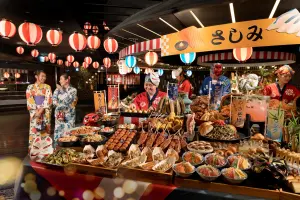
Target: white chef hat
<point>153,78</point>
<point>176,72</point>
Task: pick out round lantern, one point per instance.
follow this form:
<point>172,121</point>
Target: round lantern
<point>35,53</point>
<point>52,56</point>
<point>160,72</point>
<point>60,62</point>
<point>188,58</point>
<point>46,59</point>
<point>6,75</point>
<point>54,37</point>
<point>17,75</point>
<point>110,45</point>
<point>75,64</point>
<point>95,29</point>
<point>130,61</point>
<point>96,65</point>
<point>88,60</point>
<point>148,70</point>
<point>53,61</point>
<point>20,50</point>
<point>67,64</point>
<point>123,69</point>
<point>77,41</point>
<point>70,58</point>
<point>136,70</point>
<point>151,58</point>
<point>30,33</point>
<point>86,32</point>
<point>7,29</point>
<point>107,62</point>
<point>87,25</point>
<point>189,73</point>
<point>85,65</point>
<point>93,42</point>
<point>242,54</point>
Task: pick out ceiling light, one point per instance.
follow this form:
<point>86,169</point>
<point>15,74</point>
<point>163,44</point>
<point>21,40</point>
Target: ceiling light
<point>260,67</point>
<point>234,68</point>
<point>274,9</point>
<point>169,24</point>
<point>232,12</point>
<point>196,18</point>
<point>149,30</point>
<point>135,34</point>
<point>248,67</point>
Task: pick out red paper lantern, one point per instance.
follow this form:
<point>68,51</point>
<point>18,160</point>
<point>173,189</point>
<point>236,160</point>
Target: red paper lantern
<point>60,62</point>
<point>6,75</point>
<point>85,65</point>
<point>30,33</point>
<point>87,25</point>
<point>7,29</point>
<point>67,64</point>
<point>107,62</point>
<point>242,54</point>
<point>151,58</point>
<point>75,64</point>
<point>93,42</point>
<point>46,59</point>
<point>20,50</point>
<point>35,53</point>
<point>88,60</point>
<point>17,75</point>
<point>110,45</point>
<point>53,61</point>
<point>70,58</point>
<point>77,41</point>
<point>54,37</point>
<point>96,65</point>
<point>52,56</point>
<point>95,29</point>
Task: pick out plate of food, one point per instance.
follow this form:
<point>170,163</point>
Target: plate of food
<point>234,175</point>
<point>82,131</point>
<point>215,160</point>
<point>107,131</point>
<point>183,169</point>
<point>127,126</point>
<point>67,141</point>
<point>93,140</point>
<point>201,147</point>
<point>208,172</point>
<point>193,157</point>
<point>239,161</point>
<point>109,120</point>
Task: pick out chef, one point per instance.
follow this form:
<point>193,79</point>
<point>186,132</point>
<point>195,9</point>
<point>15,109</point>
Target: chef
<point>149,99</point>
<point>184,85</point>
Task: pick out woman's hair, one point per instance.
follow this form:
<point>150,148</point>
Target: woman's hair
<point>65,75</point>
<point>183,73</point>
<point>38,72</point>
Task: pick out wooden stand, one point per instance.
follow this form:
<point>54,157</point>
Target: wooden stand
<point>95,170</point>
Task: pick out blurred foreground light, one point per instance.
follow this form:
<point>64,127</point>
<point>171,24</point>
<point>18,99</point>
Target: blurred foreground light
<point>99,193</point>
<point>130,186</point>
<point>118,192</point>
<point>9,168</point>
<point>88,195</point>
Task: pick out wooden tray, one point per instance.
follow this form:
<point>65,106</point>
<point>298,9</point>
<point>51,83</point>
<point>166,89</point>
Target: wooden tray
<point>289,196</point>
<point>95,170</point>
<point>145,175</point>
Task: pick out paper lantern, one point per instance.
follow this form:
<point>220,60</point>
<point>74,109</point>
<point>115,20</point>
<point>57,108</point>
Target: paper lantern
<point>130,61</point>
<point>123,69</point>
<point>53,61</point>
<point>60,62</point>
<point>30,33</point>
<point>70,58</point>
<point>75,64</point>
<point>107,62</point>
<point>87,25</point>
<point>136,70</point>
<point>93,42</point>
<point>242,54</point>
<point>85,65</point>
<point>96,65</point>
<point>188,58</point>
<point>52,56</point>
<point>20,50</point>
<point>189,73</point>
<point>54,37</point>
<point>7,29</point>
<point>35,53</point>
<point>17,75</point>
<point>110,45</point>
<point>160,72</point>
<point>151,58</point>
<point>95,29</point>
<point>46,59</point>
<point>77,41</point>
<point>6,75</point>
<point>148,70</point>
<point>67,64</point>
<point>88,60</point>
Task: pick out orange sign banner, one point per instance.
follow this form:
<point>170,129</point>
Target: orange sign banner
<point>227,36</point>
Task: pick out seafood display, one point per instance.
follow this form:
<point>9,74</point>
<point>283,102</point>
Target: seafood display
<point>200,147</point>
<point>120,140</point>
<point>215,160</point>
<point>208,172</point>
<point>193,158</point>
<point>184,169</point>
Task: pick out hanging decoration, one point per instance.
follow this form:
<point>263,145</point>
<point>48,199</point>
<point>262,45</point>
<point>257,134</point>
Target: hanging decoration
<point>67,64</point>
<point>107,62</point>
<point>87,25</point>
<point>148,70</point>
<point>60,62</point>
<point>7,29</point>
<point>88,60</point>
<point>70,58</point>
<point>6,75</point>
<point>75,64</point>
<point>136,70</point>
<point>53,61</point>
<point>17,75</point>
<point>96,65</point>
<point>20,50</point>
<point>151,58</point>
<point>110,45</point>
<point>46,59</point>
<point>130,61</point>
<point>160,72</point>
<point>77,41</point>
<point>30,33</point>
<point>189,73</point>
<point>95,29</point>
<point>86,32</point>
<point>35,53</point>
<point>93,42</point>
<point>242,54</point>
<point>123,69</point>
<point>188,58</point>
<point>85,65</point>
<point>54,37</point>
<point>52,56</point>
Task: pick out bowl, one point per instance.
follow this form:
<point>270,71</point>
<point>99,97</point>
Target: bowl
<point>249,167</point>
<point>67,144</point>
<point>217,166</point>
<point>184,175</point>
<point>94,144</point>
<point>107,133</point>
<point>233,181</point>
<point>208,178</point>
<point>194,164</point>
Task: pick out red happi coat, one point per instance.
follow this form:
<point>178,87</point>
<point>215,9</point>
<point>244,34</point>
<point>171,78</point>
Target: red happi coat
<point>142,101</point>
<point>289,93</point>
<point>185,87</point>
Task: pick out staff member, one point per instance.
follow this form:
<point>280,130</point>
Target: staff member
<point>149,100</point>
<point>282,90</point>
<point>184,85</point>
